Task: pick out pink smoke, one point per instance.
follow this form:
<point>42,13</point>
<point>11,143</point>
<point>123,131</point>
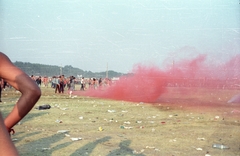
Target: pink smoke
<point>148,83</point>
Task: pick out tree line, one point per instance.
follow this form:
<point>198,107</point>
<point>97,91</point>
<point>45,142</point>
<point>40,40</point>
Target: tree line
<point>68,70</point>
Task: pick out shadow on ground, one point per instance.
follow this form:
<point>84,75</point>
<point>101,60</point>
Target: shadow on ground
<point>30,116</point>
<point>123,149</point>
<point>42,146</point>
<point>88,148</point>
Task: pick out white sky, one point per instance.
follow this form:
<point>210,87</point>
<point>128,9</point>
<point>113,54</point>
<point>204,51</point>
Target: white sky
<point>91,34</point>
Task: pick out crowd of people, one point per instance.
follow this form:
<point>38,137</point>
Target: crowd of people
<point>61,84</point>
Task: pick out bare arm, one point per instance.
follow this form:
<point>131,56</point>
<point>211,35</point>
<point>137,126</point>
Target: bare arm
<point>22,82</point>
<point>6,145</point>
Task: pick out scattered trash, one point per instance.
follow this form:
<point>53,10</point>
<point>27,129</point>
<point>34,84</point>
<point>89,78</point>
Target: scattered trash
<point>14,139</point>
<point>127,122</point>
<point>100,129</point>
<point>62,131</point>
<point>58,121</point>
<point>220,146</point>
<point>81,117</point>
<point>207,154</point>
<point>172,140</point>
<point>136,152</point>
<point>139,122</point>
<point>44,149</point>
<point>111,111</point>
<point>63,108</point>
<point>67,135</point>
<point>43,107</point>
<point>199,149</point>
<point>124,127</point>
<point>150,147</point>
<point>201,139</point>
<point>75,139</point>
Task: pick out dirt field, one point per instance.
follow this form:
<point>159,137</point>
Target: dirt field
<point>184,122</point>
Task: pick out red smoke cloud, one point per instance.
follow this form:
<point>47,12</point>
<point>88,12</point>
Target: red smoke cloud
<point>148,83</point>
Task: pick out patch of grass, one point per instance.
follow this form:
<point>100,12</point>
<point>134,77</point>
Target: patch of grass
<point>181,123</point>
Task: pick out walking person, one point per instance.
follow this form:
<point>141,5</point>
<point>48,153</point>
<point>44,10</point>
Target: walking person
<point>30,94</point>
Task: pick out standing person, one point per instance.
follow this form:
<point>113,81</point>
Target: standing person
<point>61,84</point>
<point>100,83</point>
<point>72,85</point>
<point>95,83</point>
<point>82,84</point>
<point>53,82</point>
<point>57,83</point>
<point>90,83</point>
<point>45,81</point>
<point>39,81</point>
<point>30,94</point>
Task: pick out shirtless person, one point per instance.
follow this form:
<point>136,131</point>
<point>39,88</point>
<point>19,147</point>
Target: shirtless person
<point>30,95</point>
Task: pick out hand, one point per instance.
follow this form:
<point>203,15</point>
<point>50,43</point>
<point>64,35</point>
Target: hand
<point>11,131</point>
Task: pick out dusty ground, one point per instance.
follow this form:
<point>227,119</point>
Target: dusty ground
<point>184,122</point>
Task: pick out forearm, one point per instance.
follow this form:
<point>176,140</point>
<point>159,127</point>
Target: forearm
<point>25,103</point>
<point>22,82</point>
<point>6,145</point>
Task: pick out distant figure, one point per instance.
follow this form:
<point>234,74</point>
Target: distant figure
<point>39,81</point>
<point>82,84</point>
<point>30,95</point>
<point>45,81</point>
<point>57,83</point>
<point>54,82</point>
<point>71,85</point>
<point>95,83</point>
<point>61,84</point>
<point>33,78</point>
<point>100,82</point>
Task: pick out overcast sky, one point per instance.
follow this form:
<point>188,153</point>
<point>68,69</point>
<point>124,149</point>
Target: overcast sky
<point>94,34</point>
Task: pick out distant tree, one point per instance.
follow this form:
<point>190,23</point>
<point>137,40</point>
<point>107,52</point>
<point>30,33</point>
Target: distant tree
<point>68,70</point>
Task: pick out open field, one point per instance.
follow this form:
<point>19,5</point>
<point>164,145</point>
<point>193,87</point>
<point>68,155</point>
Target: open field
<point>178,124</point>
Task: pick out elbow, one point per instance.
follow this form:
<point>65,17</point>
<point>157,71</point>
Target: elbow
<point>36,93</point>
